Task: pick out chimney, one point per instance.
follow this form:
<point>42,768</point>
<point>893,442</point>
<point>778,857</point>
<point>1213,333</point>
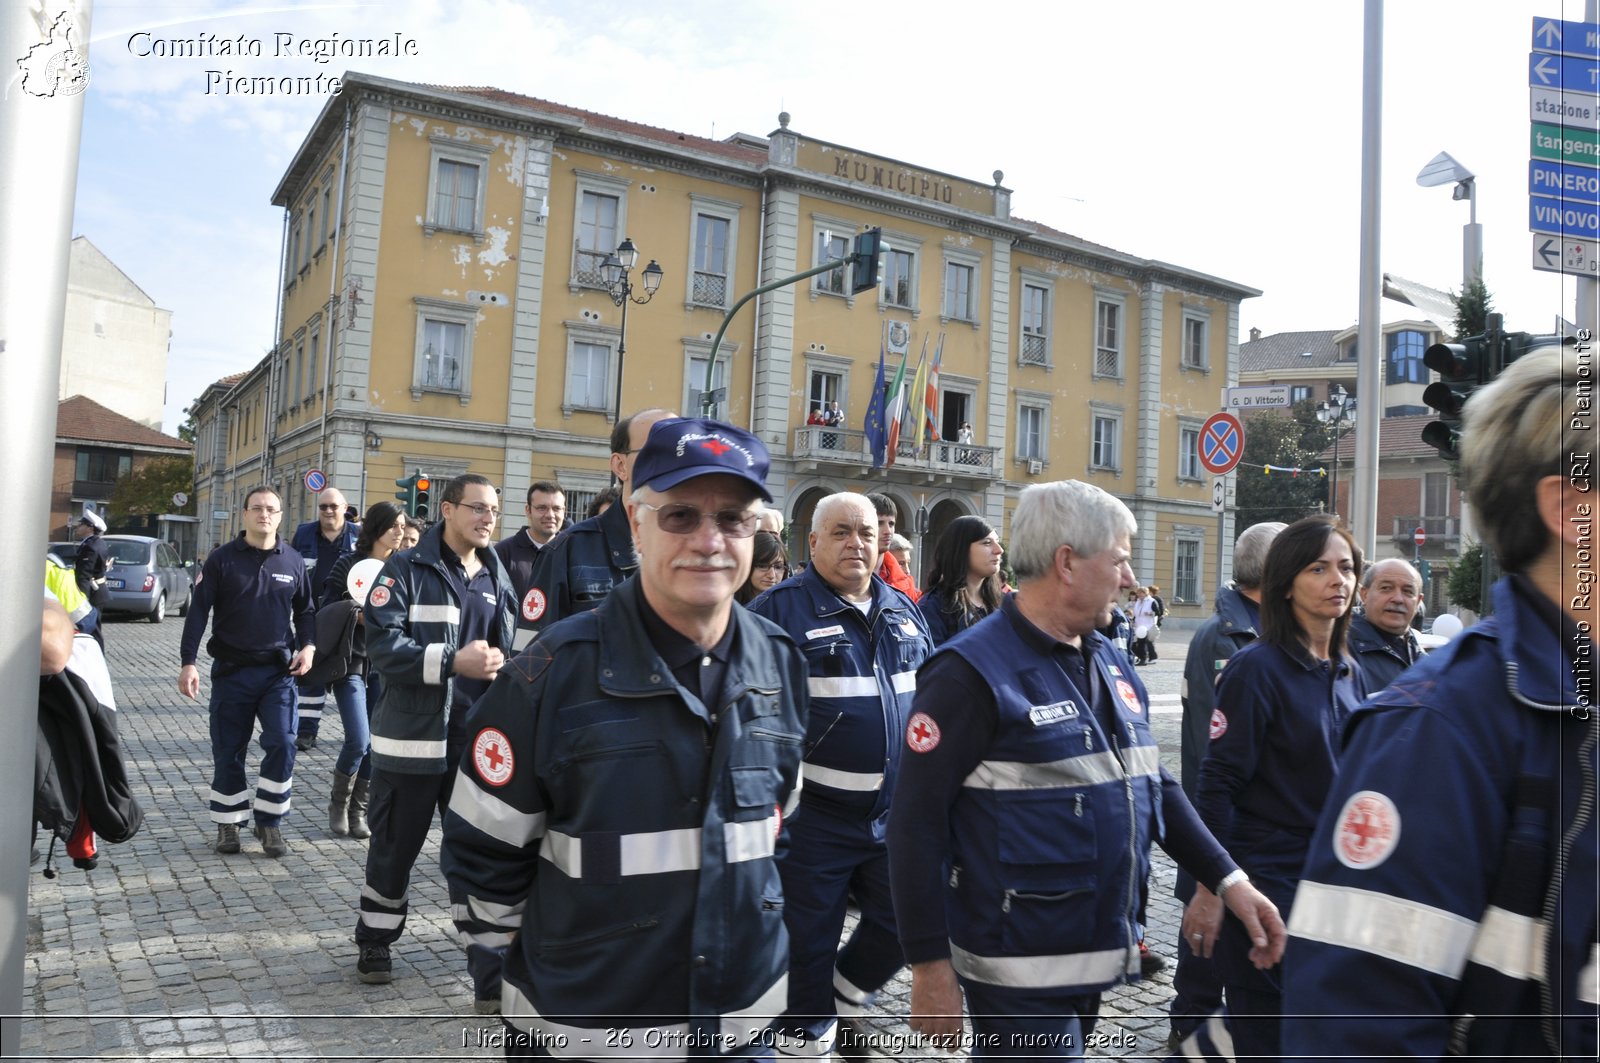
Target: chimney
<point>1255,334</point>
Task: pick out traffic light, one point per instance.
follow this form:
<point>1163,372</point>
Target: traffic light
<point>420,507</point>
<point>407,495</point>
<point>869,245</point>
<point>1463,368</point>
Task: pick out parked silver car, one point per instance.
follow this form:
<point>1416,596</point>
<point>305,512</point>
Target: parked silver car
<point>145,577</point>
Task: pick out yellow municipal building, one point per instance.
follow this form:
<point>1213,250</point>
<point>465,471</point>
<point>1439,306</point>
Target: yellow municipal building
<point>445,308</point>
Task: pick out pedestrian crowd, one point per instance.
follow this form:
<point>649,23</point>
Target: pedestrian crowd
<point>667,760</point>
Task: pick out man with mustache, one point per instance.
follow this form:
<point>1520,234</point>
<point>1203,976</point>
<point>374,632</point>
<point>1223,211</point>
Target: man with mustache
<point>1381,637</point>
<point>627,783</point>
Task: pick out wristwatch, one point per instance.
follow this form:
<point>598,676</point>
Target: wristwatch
<point>1231,879</point>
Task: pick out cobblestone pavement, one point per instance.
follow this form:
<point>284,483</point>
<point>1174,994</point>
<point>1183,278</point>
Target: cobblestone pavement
<point>168,950</point>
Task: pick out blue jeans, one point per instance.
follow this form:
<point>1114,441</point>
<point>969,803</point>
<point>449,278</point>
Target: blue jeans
<point>355,695</point>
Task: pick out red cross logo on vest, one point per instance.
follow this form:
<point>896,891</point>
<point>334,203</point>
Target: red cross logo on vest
<point>716,447</point>
<point>1369,829</point>
<point>922,734</point>
<point>1219,724</point>
<point>533,604</point>
<point>491,756</point>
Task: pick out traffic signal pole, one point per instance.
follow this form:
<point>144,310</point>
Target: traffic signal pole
<point>868,246</point>
<point>1369,374</point>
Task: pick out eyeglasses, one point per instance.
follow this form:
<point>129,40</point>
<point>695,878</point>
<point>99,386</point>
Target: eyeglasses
<point>334,508</point>
<point>772,566</point>
<point>268,510</point>
<point>679,518</point>
<point>480,510</point>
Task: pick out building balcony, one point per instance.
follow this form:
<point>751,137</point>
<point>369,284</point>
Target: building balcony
<point>820,449</point>
<point>1442,532</point>
<point>92,490</point>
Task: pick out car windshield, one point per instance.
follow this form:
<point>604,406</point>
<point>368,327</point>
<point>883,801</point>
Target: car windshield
<point>126,552</point>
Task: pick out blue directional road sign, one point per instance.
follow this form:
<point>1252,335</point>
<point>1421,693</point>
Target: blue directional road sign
<point>1221,443</point>
<point>1563,72</point>
<point>1581,39</point>
<point>1563,219</point>
<point>1575,186</point>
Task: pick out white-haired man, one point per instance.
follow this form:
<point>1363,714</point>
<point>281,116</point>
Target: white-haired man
<point>1029,793</point>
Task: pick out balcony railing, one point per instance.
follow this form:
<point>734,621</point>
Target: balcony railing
<point>1437,529</point>
<point>848,446</point>
<point>1033,349</point>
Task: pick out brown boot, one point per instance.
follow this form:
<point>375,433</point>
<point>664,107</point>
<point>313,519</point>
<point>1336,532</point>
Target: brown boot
<point>339,804</point>
<point>358,809</point>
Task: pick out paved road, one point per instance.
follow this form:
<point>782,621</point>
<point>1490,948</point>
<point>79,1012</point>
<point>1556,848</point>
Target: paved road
<point>169,950</point>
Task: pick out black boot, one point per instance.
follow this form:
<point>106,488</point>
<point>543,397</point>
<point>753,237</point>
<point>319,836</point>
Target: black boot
<point>358,809</point>
<point>339,804</point>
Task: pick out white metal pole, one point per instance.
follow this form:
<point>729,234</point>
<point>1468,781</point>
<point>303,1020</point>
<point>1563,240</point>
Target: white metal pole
<point>46,60</point>
<point>1586,312</point>
<point>1369,374</point>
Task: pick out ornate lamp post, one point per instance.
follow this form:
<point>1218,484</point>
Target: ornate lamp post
<point>1338,410</point>
<point>616,271</point>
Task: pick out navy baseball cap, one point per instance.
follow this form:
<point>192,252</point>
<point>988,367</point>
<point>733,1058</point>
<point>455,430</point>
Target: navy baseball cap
<point>682,448</point>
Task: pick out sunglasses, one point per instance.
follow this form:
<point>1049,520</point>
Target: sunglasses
<point>680,518</point>
<point>330,509</point>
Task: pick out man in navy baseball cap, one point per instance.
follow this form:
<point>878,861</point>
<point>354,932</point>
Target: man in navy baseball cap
<point>685,447</point>
<point>708,702</point>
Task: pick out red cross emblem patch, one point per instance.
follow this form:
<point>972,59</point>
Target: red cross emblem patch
<point>379,596</point>
<point>1219,724</point>
<point>533,604</point>
<point>491,756</point>
<point>1129,698</point>
<point>716,447</point>
<point>1369,829</point>
<point>922,734</point>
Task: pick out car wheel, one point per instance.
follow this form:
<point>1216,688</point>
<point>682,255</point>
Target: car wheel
<point>159,613</point>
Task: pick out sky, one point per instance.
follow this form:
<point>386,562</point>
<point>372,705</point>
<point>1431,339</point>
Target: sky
<point>1224,138</point>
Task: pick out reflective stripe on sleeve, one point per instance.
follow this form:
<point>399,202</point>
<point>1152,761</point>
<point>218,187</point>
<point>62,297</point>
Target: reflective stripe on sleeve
<point>1088,770</point>
<point>1066,969</point>
<point>521,637</point>
<point>434,614</point>
<point>1419,935</point>
<point>433,664</point>
<point>1589,978</point>
<point>493,816</point>
<point>904,682</point>
<point>859,781</point>
<point>751,839</point>
<point>794,795</point>
<point>409,749</point>
<point>1509,943</point>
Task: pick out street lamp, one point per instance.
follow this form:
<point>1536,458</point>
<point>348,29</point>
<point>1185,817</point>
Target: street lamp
<point>1444,170</point>
<point>615,271</point>
<point>1338,410</point>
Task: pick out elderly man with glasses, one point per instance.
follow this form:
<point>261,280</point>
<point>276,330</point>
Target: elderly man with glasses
<point>322,542</point>
<point>439,627</point>
<point>626,784</point>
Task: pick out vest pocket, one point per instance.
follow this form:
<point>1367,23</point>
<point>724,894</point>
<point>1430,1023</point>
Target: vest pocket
<point>1034,923</point>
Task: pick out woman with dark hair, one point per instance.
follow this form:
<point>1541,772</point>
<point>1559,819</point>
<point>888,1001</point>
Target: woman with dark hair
<point>1282,702</point>
<point>382,533</point>
<point>964,586</point>
<point>769,566</point>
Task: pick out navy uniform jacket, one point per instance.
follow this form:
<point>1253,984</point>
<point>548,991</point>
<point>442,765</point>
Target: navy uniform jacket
<point>1433,892</point>
<point>624,830</point>
<point>413,621</point>
<point>1380,661</point>
<point>1275,741</point>
<point>1226,631</point>
<point>520,556</point>
<point>862,677</point>
<point>578,569</point>
<point>320,554</point>
<point>90,562</point>
<point>1019,840</point>
<point>256,595</point>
